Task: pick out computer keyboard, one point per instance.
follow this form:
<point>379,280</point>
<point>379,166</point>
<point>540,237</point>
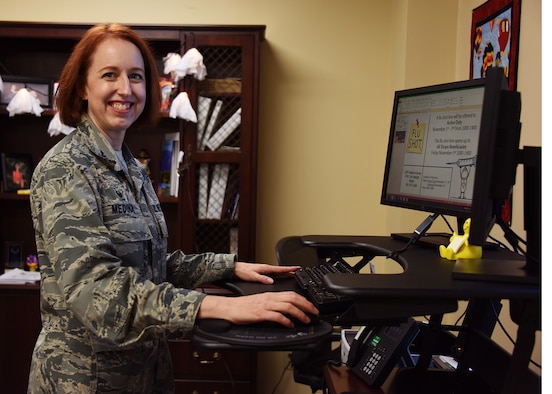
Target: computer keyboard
<point>310,280</point>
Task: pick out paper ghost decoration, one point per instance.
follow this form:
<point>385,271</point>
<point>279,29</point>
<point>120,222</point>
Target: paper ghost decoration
<point>191,64</point>
<point>182,108</point>
<point>24,102</point>
<point>56,127</point>
<point>170,61</point>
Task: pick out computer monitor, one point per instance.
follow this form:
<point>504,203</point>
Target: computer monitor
<point>445,154</point>
<point>454,149</point>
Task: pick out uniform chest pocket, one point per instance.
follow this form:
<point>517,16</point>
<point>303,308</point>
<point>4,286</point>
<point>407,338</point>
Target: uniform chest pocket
<point>126,223</point>
<point>131,236</point>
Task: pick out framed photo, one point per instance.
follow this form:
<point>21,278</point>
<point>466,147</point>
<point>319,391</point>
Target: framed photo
<point>14,255</point>
<point>495,38</point>
<point>16,171</point>
<point>40,88</point>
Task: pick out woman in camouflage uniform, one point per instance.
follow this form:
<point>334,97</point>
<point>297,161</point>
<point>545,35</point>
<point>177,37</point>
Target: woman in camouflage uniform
<point>110,293</point>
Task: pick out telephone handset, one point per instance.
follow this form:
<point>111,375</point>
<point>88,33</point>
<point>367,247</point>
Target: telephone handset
<point>376,350</point>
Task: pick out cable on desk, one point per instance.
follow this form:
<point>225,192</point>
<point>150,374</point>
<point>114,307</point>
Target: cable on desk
<point>500,243</point>
<point>514,239</point>
<point>416,235</point>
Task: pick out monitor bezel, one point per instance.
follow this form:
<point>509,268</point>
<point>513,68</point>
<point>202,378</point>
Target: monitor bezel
<point>460,211</point>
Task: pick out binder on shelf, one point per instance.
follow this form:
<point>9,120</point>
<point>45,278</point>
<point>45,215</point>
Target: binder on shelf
<point>163,188</point>
<point>170,158</point>
<point>203,192</point>
<point>175,175</point>
<point>216,140</point>
<point>211,124</point>
<point>175,160</point>
<point>203,107</point>
<point>217,191</point>
<point>233,205</point>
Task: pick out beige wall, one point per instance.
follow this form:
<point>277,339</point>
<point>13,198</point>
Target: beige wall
<point>329,70</point>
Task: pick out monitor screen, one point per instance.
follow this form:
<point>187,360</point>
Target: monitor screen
<point>432,151</point>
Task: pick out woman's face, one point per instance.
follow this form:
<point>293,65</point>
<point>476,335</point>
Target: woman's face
<point>115,85</point>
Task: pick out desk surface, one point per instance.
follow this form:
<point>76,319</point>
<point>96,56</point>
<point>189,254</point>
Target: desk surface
<point>426,287</point>
<point>426,273</point>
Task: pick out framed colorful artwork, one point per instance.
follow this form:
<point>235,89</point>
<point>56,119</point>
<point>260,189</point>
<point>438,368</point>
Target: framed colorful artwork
<point>495,38</point>
<point>16,171</point>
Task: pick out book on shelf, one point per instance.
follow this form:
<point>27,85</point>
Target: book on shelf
<point>233,204</point>
<point>170,159</point>
<point>206,135</point>
<point>216,140</point>
<point>163,187</point>
<point>218,194</point>
<point>203,107</point>
<point>203,193</point>
<point>217,191</point>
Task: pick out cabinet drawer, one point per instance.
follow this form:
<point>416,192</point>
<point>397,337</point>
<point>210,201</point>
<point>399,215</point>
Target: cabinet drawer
<point>213,387</point>
<point>190,362</point>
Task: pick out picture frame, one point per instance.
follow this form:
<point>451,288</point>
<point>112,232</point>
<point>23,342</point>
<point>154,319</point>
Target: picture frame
<point>495,38</point>
<point>41,88</point>
<point>14,255</point>
<point>16,171</point>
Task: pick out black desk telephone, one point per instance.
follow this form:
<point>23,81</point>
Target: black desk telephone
<point>376,350</point>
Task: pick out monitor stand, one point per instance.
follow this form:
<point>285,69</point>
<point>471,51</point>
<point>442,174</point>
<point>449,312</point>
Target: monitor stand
<point>433,240</point>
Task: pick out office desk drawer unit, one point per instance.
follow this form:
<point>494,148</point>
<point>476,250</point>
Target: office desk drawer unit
<point>200,371</point>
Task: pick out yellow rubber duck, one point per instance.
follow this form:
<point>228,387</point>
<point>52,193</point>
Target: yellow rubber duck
<point>459,246</point>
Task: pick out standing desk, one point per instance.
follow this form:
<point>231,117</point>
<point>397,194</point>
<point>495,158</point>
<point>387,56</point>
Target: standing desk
<point>427,288</point>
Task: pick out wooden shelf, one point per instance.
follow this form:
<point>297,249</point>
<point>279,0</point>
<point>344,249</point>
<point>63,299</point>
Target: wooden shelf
<point>14,196</point>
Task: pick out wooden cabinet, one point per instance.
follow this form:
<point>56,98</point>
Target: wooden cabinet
<point>230,95</point>
<point>19,328</point>
<point>215,209</point>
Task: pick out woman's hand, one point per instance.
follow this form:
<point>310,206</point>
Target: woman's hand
<point>278,307</point>
<point>261,272</point>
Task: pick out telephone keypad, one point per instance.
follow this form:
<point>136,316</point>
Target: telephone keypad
<point>372,363</point>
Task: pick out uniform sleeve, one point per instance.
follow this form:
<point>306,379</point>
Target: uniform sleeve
<point>83,281</point>
<point>192,270</point>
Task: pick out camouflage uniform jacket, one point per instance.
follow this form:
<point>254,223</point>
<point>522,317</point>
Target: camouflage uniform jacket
<point>110,294</point>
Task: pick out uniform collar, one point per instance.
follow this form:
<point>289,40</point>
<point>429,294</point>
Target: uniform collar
<point>100,146</point>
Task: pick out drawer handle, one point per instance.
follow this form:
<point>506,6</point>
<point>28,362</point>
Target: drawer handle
<point>216,357</point>
<point>197,392</point>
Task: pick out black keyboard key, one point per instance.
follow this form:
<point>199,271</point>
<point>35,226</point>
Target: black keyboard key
<point>310,280</point>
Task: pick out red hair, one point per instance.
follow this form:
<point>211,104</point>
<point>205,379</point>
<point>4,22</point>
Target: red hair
<point>72,82</point>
